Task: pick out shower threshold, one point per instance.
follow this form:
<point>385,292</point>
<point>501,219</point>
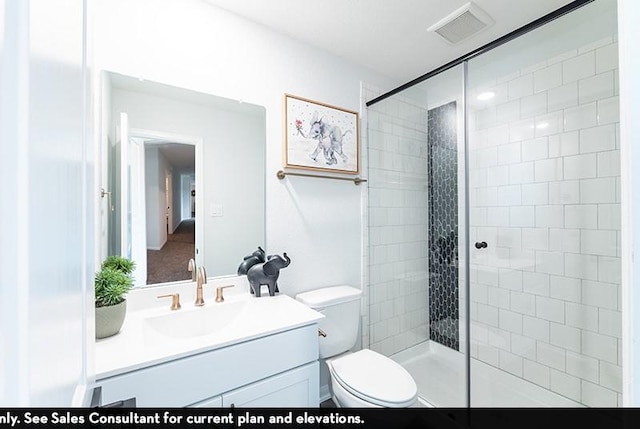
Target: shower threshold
<point>439,374</point>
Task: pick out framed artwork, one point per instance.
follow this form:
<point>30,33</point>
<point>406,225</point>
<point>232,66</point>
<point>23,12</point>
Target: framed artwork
<point>320,137</point>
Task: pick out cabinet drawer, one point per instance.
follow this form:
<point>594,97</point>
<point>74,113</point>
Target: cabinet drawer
<point>191,379</point>
<point>295,388</point>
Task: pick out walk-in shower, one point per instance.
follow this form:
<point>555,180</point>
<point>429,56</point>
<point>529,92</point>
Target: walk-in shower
<point>494,221</point>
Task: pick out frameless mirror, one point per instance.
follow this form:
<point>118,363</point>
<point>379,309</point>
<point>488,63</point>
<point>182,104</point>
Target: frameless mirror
<point>184,178</point>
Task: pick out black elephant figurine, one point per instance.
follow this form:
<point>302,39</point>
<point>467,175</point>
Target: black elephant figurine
<point>266,273</point>
<point>250,260</point>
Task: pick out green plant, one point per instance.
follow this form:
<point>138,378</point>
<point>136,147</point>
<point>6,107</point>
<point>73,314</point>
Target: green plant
<point>119,263</point>
<point>113,281</point>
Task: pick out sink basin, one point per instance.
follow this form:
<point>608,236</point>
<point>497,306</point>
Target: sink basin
<point>196,322</point>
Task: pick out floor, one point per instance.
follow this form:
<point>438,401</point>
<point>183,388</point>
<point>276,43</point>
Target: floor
<point>170,263</point>
<point>439,373</point>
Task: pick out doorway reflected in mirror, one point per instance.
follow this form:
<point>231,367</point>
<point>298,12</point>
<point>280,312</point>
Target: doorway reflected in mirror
<point>170,263</point>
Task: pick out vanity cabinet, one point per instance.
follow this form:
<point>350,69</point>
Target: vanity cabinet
<point>277,370</point>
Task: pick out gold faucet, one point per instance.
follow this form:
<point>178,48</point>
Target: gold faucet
<point>201,279</point>
<point>193,269</point>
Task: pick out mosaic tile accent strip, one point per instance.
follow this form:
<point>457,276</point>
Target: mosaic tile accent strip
<point>442,165</point>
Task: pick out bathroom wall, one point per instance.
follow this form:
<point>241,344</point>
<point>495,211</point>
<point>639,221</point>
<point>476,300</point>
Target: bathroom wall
<point>194,45</point>
<point>545,195</point>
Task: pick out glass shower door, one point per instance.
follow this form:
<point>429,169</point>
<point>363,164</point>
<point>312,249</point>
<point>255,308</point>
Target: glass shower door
<point>544,207</point>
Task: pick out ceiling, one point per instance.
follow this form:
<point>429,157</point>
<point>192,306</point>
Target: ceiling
<point>389,37</point>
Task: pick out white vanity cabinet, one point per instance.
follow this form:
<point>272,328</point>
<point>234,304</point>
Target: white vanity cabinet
<point>277,370</point>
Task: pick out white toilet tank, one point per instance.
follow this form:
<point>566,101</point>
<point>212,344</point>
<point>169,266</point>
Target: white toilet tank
<point>341,308</point>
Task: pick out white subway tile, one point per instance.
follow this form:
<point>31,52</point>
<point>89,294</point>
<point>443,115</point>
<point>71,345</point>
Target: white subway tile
<point>536,373</point>
<point>581,216</point>
<point>569,143</point>
<point>580,166</point>
<point>581,316</point>
<point>523,216</point>
<point>523,130</point>
<point>564,192</point>
<point>535,328</point>
<point>598,294</point>
<point>535,194</point>
<point>609,163</point>
<point>533,105</point>
<point>497,216</point>
<point>550,216</point>
<point>509,153</point>
<point>510,279</point>
<point>551,356</point>
<point>521,173</point>
<point>595,88</point>
<point>498,297</point>
<point>607,58</point>
<point>535,149</point>
<point>595,45</point>
<point>581,366</point>
<point>488,276</point>
<point>609,216</point>
<point>609,269</point>
<point>609,322</point>
<point>564,240</point>
<point>600,346</point>
<point>509,196</point>
<point>598,139</point>
<point>562,97</point>
<point>598,190</point>
<point>523,303</point>
<point>565,337</point>
<point>487,157</point>
<point>510,237</point>
<point>611,376</point>
<point>522,259</point>
<point>498,176</point>
<point>510,321</point>
<point>550,309</point>
<point>596,242</point>
<point>508,112</point>
<point>583,116</point>
<point>535,283</point>
<point>566,289</point>
<point>549,124</point>
<point>548,77</point>
<point>488,354</point>
<point>579,67</point>
<point>521,87</point>
<point>566,385</point>
<point>499,338</point>
<point>535,238</point>
<point>547,170</point>
<point>523,346</point>
<point>609,111</point>
<point>486,196</point>
<point>581,266</point>
<point>497,136</point>
<point>511,363</point>
<point>562,57</point>
<point>550,262</point>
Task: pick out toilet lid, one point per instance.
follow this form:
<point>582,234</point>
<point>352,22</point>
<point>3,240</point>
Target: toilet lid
<point>375,378</point>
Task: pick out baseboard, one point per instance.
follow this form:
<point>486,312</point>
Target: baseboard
<point>325,393</point>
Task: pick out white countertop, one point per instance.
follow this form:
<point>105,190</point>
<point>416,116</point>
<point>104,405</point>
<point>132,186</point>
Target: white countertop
<point>135,347</point>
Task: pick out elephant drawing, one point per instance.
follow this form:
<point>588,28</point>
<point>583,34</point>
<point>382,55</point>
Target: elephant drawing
<point>266,273</point>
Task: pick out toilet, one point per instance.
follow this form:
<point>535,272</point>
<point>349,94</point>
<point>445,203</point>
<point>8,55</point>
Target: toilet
<point>364,378</point>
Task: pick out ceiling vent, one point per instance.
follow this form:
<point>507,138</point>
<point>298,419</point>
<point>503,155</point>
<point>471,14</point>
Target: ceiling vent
<point>462,23</point>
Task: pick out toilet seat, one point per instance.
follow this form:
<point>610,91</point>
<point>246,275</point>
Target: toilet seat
<point>375,379</point>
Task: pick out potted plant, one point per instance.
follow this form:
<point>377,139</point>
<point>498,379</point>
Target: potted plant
<point>112,282</point>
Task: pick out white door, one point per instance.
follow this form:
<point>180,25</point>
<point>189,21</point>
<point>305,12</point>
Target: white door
<point>133,240</point>
<point>169,194</point>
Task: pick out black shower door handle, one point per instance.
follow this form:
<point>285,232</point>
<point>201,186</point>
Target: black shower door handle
<point>481,244</point>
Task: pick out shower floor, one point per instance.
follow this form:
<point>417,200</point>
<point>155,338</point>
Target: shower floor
<point>439,374</point>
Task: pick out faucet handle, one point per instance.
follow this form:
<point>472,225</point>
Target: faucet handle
<point>203,274</point>
<point>219,290</point>
<point>193,269</point>
<point>175,300</point>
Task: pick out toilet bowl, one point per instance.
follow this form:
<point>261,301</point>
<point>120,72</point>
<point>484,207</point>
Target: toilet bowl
<point>364,378</point>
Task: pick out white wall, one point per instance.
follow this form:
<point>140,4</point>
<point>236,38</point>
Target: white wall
<point>196,46</point>
<point>155,198</point>
<point>46,192</point>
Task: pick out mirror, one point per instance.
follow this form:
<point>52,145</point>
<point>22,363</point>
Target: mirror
<point>183,177</point>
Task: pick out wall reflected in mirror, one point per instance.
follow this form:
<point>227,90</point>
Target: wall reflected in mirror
<point>186,174</point>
